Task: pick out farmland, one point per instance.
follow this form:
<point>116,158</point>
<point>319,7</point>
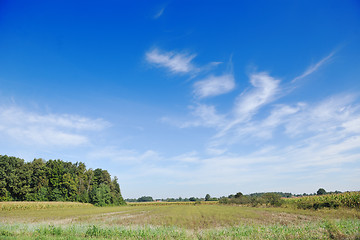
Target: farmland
<point>174,221</point>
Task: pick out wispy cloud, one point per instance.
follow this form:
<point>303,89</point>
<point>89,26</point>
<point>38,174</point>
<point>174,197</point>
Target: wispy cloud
<point>207,117</point>
<point>47,129</point>
<point>314,67</point>
<point>189,157</point>
<point>159,13</point>
<point>247,121</point>
<point>306,142</point>
<point>333,112</point>
<point>204,116</point>
<point>263,92</point>
<point>124,156</point>
<point>173,61</point>
<point>214,85</point>
<point>311,158</point>
<point>266,141</point>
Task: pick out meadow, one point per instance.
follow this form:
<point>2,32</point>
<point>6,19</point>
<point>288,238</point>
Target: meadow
<point>59,220</point>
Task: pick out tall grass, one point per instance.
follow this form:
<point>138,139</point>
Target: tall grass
<point>343,229</point>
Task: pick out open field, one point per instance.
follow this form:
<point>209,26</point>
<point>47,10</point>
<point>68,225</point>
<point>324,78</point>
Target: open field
<point>175,221</point>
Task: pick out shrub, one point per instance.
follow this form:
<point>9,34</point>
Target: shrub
<point>272,199</point>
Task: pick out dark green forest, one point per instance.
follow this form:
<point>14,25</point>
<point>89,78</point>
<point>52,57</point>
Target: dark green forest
<point>56,180</point>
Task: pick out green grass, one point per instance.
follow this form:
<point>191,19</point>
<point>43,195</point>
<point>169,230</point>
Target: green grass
<point>173,221</point>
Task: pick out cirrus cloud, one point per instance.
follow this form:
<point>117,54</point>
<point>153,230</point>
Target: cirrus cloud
<point>173,61</point>
<point>214,85</point>
<point>47,129</point>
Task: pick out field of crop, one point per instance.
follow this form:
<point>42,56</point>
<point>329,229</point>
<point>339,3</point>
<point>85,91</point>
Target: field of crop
<point>9,206</point>
<point>347,199</point>
<point>175,221</point>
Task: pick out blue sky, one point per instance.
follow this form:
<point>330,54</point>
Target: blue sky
<point>185,98</point>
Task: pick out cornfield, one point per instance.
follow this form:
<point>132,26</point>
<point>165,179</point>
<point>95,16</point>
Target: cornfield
<point>8,206</point>
<point>347,199</point>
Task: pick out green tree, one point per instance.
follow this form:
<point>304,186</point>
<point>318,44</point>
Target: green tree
<point>56,180</point>
<point>192,199</point>
<point>69,187</point>
<point>145,199</point>
<point>101,195</point>
<point>116,197</point>
<point>15,178</point>
<point>39,181</point>
<point>42,194</point>
<point>57,195</point>
<point>321,191</point>
<point>238,195</point>
<point>55,172</point>
<point>207,197</point>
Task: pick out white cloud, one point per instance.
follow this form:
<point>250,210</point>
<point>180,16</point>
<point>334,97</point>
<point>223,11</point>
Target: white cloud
<point>307,158</point>
<point>314,67</point>
<point>124,156</point>
<point>298,137</point>
<point>326,146</point>
<point>329,115</point>
<point>174,62</point>
<point>159,13</point>
<point>214,85</point>
<point>189,157</point>
<point>45,136</point>
<point>264,128</point>
<point>207,117</point>
<point>264,91</point>
<point>279,114</point>
<point>352,125</point>
<point>150,155</point>
<point>18,116</point>
<point>335,118</point>
<point>47,129</point>
<point>265,88</point>
<point>303,141</point>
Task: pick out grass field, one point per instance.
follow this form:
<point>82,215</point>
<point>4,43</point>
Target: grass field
<point>174,221</point>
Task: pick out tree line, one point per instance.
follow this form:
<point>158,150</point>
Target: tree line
<point>255,198</point>
<point>179,199</point>
<point>268,198</point>
<point>56,180</point>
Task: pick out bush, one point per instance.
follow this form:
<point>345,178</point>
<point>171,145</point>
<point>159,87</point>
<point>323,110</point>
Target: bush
<point>272,199</point>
